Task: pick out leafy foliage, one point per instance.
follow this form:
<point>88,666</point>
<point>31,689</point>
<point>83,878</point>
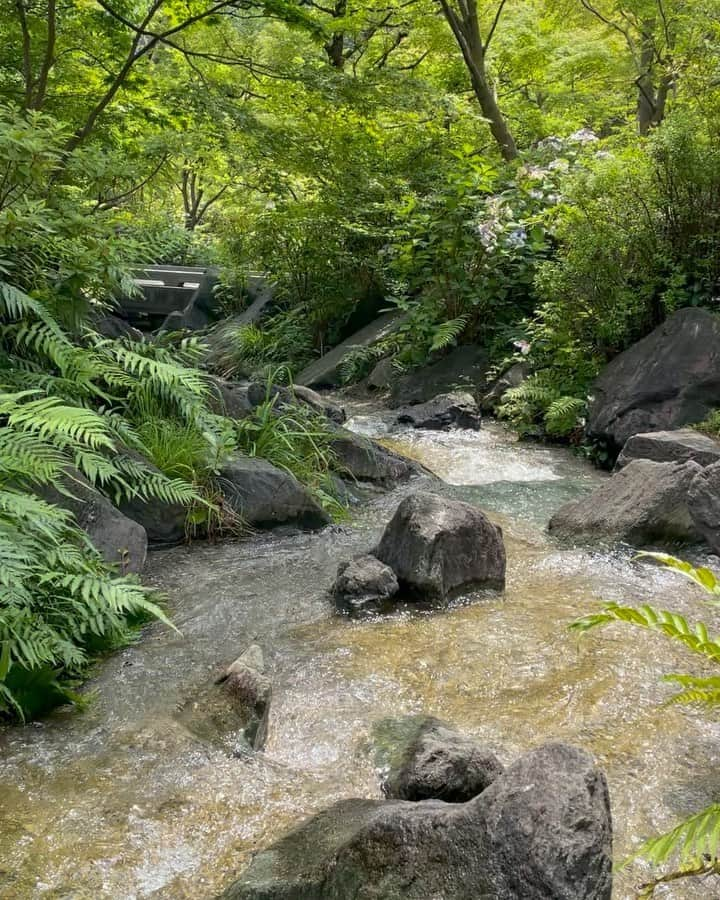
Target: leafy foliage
<point>694,844</point>
<point>60,603</point>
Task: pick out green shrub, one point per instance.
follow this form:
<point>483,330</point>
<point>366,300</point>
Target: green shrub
<point>711,424</point>
<point>464,257</point>
<point>324,261</point>
<point>639,237</point>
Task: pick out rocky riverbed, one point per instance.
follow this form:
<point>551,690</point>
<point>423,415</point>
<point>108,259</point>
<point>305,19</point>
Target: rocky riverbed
<point>124,801</point>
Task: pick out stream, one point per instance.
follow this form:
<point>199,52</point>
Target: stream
<point>120,801</point>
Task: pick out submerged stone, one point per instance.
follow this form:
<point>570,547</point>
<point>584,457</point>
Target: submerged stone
<point>236,708</point>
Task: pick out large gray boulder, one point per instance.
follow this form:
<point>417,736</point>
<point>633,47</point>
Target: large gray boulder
<point>363,583</point>
<point>540,831</point>
<point>463,369</point>
<point>458,410</point>
<point>704,502</point>
<point>439,763</point>
<point>326,371</point>
<point>645,503</point>
<point>438,546</point>
<point>235,709</point>
<point>680,445</point>
<point>264,495</point>
<point>668,379</point>
<point>365,460</point>
<point>120,540</point>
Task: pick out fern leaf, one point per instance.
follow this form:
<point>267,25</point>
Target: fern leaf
<point>670,624</point>
<point>690,841</point>
<point>701,575</point>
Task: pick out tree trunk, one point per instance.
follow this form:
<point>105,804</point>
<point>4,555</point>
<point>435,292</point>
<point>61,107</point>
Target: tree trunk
<point>335,47</point>
<point>646,80</point>
<point>466,30</point>
<point>490,109</point>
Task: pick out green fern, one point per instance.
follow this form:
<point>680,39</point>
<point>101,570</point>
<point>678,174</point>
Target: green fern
<point>447,333</point>
<point>564,415</point>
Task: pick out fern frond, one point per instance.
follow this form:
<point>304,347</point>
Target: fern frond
<point>670,624</point>
<point>699,691</point>
<point>563,414</point>
<point>690,841</point>
<point>447,333</point>
<point>700,575</point>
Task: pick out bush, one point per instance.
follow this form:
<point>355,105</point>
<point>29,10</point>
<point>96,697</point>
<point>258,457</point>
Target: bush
<point>324,261</point>
<point>639,237</point>
<point>293,437</point>
<point>464,258</point>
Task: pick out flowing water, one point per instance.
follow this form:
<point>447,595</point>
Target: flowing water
<point>121,802</point>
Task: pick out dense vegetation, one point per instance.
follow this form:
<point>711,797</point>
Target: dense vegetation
<point>535,175</point>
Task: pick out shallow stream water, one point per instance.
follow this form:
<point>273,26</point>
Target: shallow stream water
<point>122,802</point>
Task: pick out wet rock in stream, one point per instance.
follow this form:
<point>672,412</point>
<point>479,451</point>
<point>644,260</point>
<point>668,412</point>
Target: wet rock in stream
<point>236,706</point>
<point>437,546</point>
<point>644,503</point>
<point>542,829</point>
<point>439,763</point>
<point>364,583</point>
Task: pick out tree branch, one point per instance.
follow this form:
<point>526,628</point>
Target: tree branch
<point>496,22</point>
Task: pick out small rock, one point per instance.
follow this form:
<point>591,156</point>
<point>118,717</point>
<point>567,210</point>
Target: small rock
<point>444,411</point>
<point>363,583</point>
<point>437,546</point>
